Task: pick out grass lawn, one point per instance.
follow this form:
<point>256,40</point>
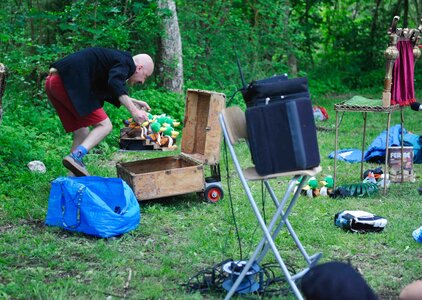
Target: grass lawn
<point>180,236</point>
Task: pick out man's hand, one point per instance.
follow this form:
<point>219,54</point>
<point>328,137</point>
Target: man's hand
<point>136,108</point>
<point>139,116</point>
<point>141,104</point>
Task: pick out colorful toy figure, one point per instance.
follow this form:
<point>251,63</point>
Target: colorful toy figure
<point>327,186</point>
<point>370,178</point>
<point>159,130</point>
<point>311,190</point>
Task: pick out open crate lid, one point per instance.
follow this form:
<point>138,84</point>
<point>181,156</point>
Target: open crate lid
<point>201,134</point>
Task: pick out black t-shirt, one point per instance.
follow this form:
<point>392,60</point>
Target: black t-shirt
<point>94,75</point>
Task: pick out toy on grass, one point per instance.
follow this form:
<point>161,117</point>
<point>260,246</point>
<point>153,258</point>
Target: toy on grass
<point>327,186</point>
<point>311,190</point>
<point>355,190</point>
<point>381,182</point>
<point>377,173</point>
<point>320,113</point>
<point>370,178</point>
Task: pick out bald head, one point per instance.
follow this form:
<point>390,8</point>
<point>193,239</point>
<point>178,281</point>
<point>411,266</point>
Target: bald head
<point>145,61</point>
<point>144,68</point>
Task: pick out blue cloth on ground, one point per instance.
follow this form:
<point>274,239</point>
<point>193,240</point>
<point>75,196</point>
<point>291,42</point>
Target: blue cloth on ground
<point>98,206</point>
<point>376,150</point>
<point>349,155</point>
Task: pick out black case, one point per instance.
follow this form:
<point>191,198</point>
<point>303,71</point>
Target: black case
<point>282,136</point>
<point>275,88</point>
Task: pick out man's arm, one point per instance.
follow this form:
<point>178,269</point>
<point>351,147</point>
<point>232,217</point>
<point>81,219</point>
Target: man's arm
<point>136,108</point>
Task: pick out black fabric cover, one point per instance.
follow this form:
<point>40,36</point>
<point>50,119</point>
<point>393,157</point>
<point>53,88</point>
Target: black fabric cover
<point>282,136</point>
<point>275,88</point>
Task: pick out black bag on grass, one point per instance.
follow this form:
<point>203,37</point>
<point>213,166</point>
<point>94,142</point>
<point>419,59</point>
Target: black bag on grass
<point>359,221</point>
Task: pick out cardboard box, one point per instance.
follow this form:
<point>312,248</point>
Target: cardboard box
<point>184,173</point>
<point>395,162</point>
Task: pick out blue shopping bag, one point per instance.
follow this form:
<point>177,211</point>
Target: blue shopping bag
<point>98,206</point>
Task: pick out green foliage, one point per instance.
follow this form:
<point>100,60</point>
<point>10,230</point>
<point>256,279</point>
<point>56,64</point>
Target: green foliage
<point>16,150</point>
<point>322,39</point>
<point>44,32</point>
<point>162,102</point>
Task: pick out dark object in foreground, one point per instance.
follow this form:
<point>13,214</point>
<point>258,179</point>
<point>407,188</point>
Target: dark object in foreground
<point>335,280</point>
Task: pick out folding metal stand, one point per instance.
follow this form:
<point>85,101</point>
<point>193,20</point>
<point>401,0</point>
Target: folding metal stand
<point>233,123</point>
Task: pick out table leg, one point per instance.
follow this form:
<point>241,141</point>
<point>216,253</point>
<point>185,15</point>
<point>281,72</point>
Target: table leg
<point>363,145</point>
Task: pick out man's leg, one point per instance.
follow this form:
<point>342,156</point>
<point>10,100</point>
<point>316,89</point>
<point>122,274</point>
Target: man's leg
<point>79,135</point>
<point>98,132</point>
<point>83,141</point>
<point>83,138</point>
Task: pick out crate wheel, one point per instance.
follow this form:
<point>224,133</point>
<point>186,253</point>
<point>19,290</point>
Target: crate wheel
<point>213,193</point>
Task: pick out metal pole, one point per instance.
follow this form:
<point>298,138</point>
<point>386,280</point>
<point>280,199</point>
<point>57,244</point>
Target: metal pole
<point>363,145</point>
<point>386,152</point>
<point>335,153</point>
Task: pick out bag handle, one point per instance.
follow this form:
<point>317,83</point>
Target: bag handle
<point>78,208</point>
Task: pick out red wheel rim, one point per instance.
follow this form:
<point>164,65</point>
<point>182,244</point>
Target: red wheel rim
<point>214,195</point>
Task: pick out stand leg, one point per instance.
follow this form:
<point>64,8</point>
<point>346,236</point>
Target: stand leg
<point>335,153</point>
<point>386,152</point>
<point>363,145</point>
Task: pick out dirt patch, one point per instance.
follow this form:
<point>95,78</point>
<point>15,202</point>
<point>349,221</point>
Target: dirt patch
<point>5,228</point>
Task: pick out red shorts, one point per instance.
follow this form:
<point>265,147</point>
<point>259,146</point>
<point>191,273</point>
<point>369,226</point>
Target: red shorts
<point>70,118</point>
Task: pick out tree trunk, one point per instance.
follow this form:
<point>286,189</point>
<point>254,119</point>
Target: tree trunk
<point>406,14</point>
<point>418,14</point>
<point>291,57</point>
<point>170,66</point>
<point>309,45</point>
<point>372,36</point>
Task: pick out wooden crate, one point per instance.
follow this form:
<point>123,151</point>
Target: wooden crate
<point>162,177</point>
<point>184,173</point>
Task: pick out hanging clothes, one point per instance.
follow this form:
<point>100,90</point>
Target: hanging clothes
<point>402,89</point>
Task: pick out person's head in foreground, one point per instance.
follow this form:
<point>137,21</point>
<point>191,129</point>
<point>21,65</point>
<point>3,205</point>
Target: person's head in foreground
<point>333,281</point>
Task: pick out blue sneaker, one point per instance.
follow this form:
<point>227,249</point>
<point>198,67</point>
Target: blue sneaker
<point>417,235</point>
<point>75,164</point>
